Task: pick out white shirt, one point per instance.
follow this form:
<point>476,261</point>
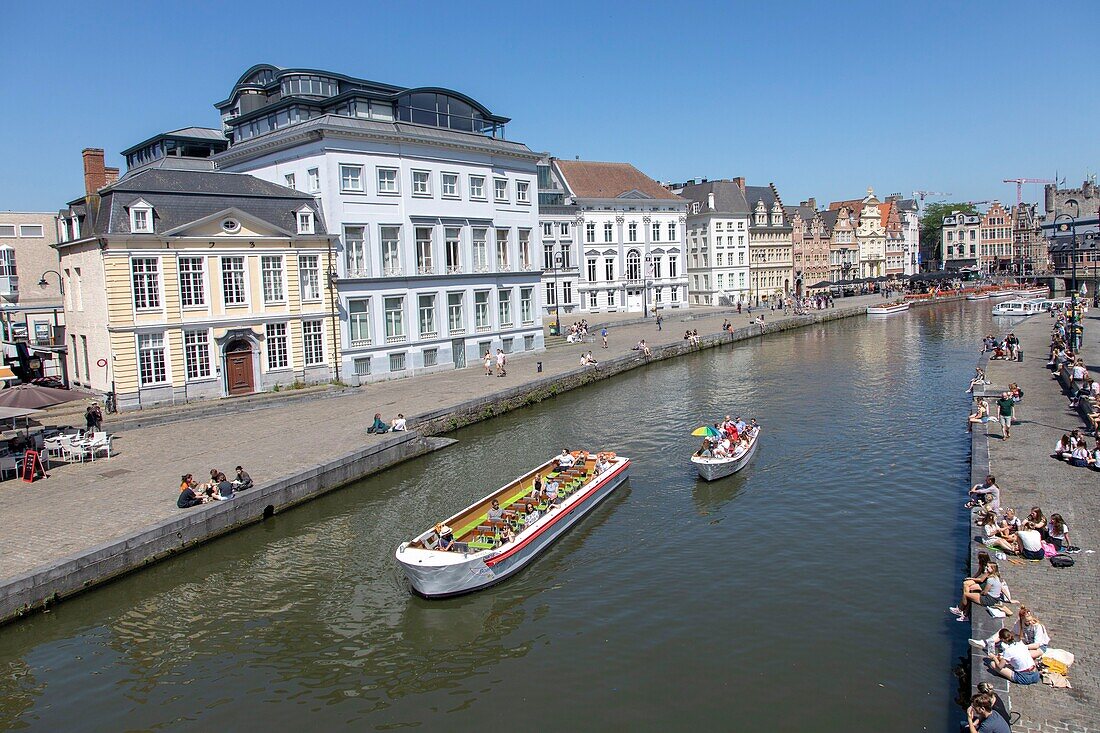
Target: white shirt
<point>1078,373</point>
<point>565,460</point>
<point>1036,634</point>
<point>1018,656</point>
<point>1055,535</point>
<point>1030,539</point>
<point>399,424</point>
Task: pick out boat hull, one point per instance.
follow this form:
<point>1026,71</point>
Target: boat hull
<point>469,572</point>
<point>982,296</point>
<point>712,469</point>
<point>887,310</point>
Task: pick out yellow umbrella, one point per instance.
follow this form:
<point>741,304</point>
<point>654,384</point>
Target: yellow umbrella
<point>705,432</point>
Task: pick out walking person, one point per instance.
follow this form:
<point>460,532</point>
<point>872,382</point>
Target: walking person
<point>488,363</point>
<point>501,362</point>
<point>659,321</point>
<point>603,335</point>
<point>1005,406</point>
<point>93,418</point>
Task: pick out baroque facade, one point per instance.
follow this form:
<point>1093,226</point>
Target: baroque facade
<point>436,212</point>
<point>771,255</point>
<point>995,240</point>
<point>810,245</point>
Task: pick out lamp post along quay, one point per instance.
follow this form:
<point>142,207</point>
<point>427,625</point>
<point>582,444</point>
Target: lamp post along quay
<point>1067,223</point>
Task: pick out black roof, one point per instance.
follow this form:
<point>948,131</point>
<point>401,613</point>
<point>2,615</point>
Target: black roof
<point>180,197</point>
<point>728,198</point>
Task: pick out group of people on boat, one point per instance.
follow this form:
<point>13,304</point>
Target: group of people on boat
<point>731,438</point>
<point>218,488</point>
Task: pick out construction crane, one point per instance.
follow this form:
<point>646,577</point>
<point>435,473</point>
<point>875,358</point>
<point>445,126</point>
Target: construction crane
<point>1020,186</point>
<point>921,195</point>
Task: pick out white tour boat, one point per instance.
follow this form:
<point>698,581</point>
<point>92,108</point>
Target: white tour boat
<point>978,296</point>
<point>716,468</point>
<point>887,309</point>
<point>478,558</point>
<point>1018,308</point>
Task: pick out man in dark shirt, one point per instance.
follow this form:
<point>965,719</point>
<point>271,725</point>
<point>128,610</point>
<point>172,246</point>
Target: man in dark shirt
<point>244,481</point>
<point>980,717</point>
<point>1005,405</point>
<point>188,499</point>
<point>225,489</point>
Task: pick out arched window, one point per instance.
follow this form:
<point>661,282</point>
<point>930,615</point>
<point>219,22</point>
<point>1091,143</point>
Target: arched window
<point>633,265</point>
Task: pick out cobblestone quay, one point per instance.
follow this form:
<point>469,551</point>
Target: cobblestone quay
<point>69,532</point>
<point>1067,601</point>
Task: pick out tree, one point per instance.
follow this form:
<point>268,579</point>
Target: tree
<point>931,224</point>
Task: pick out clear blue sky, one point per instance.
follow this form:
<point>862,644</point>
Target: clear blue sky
<point>823,99</point>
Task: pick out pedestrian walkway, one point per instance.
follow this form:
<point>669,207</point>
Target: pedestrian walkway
<point>1066,601</point>
<point>83,505</point>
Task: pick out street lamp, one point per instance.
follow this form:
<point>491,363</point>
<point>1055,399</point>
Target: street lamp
<point>61,286</point>
<point>1071,227</point>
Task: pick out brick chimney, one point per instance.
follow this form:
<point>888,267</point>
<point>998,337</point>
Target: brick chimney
<point>111,175</point>
<point>740,181</point>
<point>95,174</point>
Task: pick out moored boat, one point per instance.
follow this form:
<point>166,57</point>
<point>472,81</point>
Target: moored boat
<point>482,553</point>
<point>716,468</point>
<point>887,309</point>
<point>978,296</point>
<point>1018,307</point>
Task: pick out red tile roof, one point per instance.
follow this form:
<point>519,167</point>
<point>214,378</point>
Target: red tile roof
<point>589,179</point>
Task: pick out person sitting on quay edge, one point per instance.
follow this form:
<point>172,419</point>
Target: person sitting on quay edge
<point>187,498</point>
<point>982,718</point>
<point>225,488</point>
<point>1014,663</point>
<point>400,424</point>
<point>980,414</point>
<point>243,480</point>
<point>990,594</point>
<point>986,495</point>
<point>379,426</point>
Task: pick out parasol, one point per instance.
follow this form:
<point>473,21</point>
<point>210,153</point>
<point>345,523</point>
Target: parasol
<point>705,432</point>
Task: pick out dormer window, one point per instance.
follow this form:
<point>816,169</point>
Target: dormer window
<point>141,218</point>
<point>305,221</point>
<point>695,207</point>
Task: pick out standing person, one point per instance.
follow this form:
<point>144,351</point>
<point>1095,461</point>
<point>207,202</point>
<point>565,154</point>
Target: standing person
<point>603,335</point>
<point>93,418</point>
<point>659,321</point>
<point>501,362</point>
<point>488,363</point>
<point>1005,406</point>
<point>1013,345</point>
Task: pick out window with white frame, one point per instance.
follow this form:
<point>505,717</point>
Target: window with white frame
<point>672,261</point>
<point>271,267</point>
<point>504,307</point>
<point>309,276</point>
<point>192,282</point>
<point>590,270</point>
<point>551,293</point>
<point>152,368</point>
<point>675,293</point>
<point>355,251</point>
<point>397,362</point>
<point>567,291</point>
<point>610,298</point>
<point>141,220</point>
<point>564,228</point>
<point>7,262</point>
<point>523,192</point>
<point>592,299</point>
<point>590,231</point>
<point>278,355</point>
<point>233,287</point>
<point>391,251</point>
<point>632,232</point>
<point>305,221</point>
<point>422,183</point>
<point>525,249</point>
<point>481,250</point>
<point>196,354</point>
<point>387,180</point>
<point>8,230</point>
<point>548,256</point>
<point>351,178</point>
<point>359,322</point>
<point>527,305</point>
<point>609,269</point>
<point>313,179</point>
<point>426,311</point>
<point>394,311</point>
<point>313,342</point>
<point>565,258</point>
<point>477,187</point>
<point>547,229</point>
<point>672,233</point>
<point>656,231</point>
<point>454,313</point>
<point>657,266</point>
<point>449,185</point>
<point>146,280</point>
<point>452,242</point>
<point>481,310</point>
<point>607,231</point>
<point>633,265</point>
<point>500,189</point>
<point>424,265</point>
<point>36,230</point>
<point>361,366</point>
<point>289,178</point>
<point>503,260</point>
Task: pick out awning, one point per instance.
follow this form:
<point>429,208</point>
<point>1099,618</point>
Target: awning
<point>6,374</point>
<point>7,413</point>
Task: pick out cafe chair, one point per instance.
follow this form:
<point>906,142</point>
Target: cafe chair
<point>8,463</point>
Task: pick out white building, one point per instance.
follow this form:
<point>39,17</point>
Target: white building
<point>613,239</point>
<point>910,228</point>
<point>960,232</point>
<point>717,242</point>
<point>436,212</point>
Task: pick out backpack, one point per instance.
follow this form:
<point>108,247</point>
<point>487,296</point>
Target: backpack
<point>1061,561</point>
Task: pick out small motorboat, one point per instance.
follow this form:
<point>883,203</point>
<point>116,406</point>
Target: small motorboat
<point>481,555</point>
<point>978,296</point>
<point>888,309</point>
<point>716,468</point>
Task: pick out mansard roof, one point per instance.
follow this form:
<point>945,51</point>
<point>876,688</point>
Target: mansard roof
<point>728,198</point>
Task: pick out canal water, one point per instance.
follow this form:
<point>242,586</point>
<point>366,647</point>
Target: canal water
<point>806,593</point>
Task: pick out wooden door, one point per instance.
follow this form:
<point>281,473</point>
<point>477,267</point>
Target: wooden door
<point>239,372</point>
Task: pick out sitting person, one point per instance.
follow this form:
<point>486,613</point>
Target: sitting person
<point>975,583</point>
<point>990,594</point>
<point>446,536</point>
<point>1029,544</point>
<point>1058,532</point>
<point>980,414</point>
<point>981,717</point>
<point>379,426</point>
<point>531,515</point>
<point>992,534</point>
<point>495,513</point>
<point>1015,662</point>
<point>552,485</point>
<point>187,498</point>
<point>507,534</point>
<point>1032,633</point>
<point>565,459</point>
<point>224,488</point>
<point>986,495</point>
<point>243,480</point>
<point>1063,448</point>
<point>399,424</point>
<point>645,349</point>
<point>1080,455</point>
<point>706,450</point>
<point>979,379</point>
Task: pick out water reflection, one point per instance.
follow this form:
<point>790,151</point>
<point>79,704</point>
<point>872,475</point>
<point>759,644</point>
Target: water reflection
<point>657,609</point>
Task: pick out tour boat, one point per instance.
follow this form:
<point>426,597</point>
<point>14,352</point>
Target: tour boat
<point>716,468</point>
<point>887,310</point>
<point>478,559</point>
<point>1018,308</point>
<point>978,296</point>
